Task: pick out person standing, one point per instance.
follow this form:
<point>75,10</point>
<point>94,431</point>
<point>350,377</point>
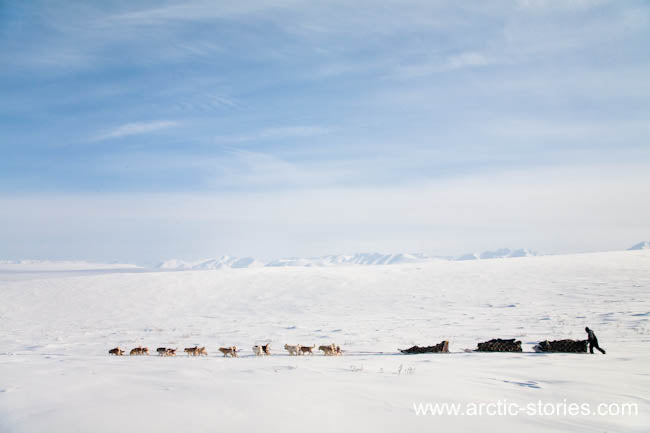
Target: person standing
<point>593,341</point>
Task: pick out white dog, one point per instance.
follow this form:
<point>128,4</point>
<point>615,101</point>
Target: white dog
<point>258,351</point>
<point>293,350</point>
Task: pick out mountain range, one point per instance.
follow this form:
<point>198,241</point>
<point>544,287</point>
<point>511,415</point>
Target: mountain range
<point>364,259</point>
<point>231,262</point>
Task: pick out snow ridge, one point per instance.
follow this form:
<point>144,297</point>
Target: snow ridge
<point>356,259</point>
<point>215,263</point>
<point>359,259</point>
<point>501,253</point>
<point>231,262</point>
<point>645,245</point>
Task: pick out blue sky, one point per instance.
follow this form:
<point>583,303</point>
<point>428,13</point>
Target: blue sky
<point>146,130</point>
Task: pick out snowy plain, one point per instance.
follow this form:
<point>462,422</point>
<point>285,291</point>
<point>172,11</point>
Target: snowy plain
<point>56,329</point>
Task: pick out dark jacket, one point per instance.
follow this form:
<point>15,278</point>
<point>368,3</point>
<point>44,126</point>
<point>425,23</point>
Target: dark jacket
<point>591,336</point>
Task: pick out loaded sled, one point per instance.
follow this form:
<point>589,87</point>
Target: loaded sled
<point>442,347</point>
<point>561,346</point>
<point>500,345</point>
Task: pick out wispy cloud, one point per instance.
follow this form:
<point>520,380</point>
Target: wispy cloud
<point>463,60</point>
<point>135,128</point>
<point>192,11</point>
<point>469,59</point>
<point>276,133</point>
<point>567,5</point>
<point>287,97</point>
<point>548,129</point>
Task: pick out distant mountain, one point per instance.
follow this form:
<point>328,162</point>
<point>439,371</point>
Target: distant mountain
<point>498,254</point>
<point>230,262</point>
<point>360,259</point>
<point>356,259</point>
<point>218,263</point>
<point>331,260</point>
<point>645,245</point>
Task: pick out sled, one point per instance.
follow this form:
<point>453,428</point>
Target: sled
<point>561,346</point>
<point>500,345</point>
<point>442,347</point>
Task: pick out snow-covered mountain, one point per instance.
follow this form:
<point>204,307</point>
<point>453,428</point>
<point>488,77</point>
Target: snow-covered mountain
<point>215,263</point>
<point>645,245</point>
<point>499,254</point>
<point>225,262</point>
<point>330,260</point>
<point>356,259</point>
<point>362,259</point>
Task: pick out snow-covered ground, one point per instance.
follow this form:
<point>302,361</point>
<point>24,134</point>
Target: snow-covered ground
<point>56,328</point>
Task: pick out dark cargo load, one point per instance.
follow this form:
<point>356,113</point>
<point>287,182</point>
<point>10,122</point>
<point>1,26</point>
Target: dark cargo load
<point>442,347</point>
<point>563,346</point>
<point>500,345</point>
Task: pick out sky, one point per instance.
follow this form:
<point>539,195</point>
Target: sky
<point>140,131</point>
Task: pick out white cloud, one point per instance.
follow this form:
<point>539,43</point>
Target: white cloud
<point>276,133</point>
<point>463,60</point>
<point>530,129</point>
<point>470,59</point>
<point>135,128</point>
<point>565,4</point>
<point>552,210</point>
<point>196,10</point>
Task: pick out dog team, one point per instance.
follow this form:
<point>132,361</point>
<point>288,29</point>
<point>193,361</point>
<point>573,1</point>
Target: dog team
<point>258,350</point>
<point>329,350</point>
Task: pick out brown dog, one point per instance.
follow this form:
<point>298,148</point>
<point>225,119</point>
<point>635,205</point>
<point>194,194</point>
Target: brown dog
<point>164,351</point>
<point>117,352</point>
<point>232,351</point>
<point>192,351</point>
<point>329,350</point>
<point>307,350</point>
<point>139,351</point>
